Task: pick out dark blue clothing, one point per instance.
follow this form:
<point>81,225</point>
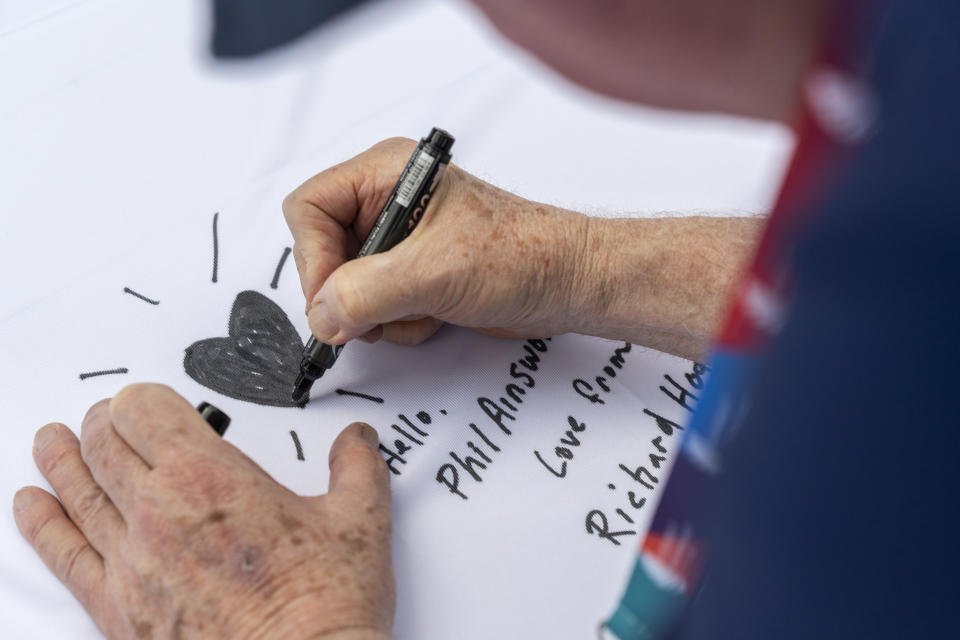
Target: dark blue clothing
<point>836,513</point>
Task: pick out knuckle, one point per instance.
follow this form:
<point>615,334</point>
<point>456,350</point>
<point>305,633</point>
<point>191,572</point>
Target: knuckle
<point>136,397</point>
<point>203,483</point>
<point>287,203</point>
<point>54,458</point>
<point>350,304</point>
<point>88,503</point>
<point>127,399</point>
<point>45,455</point>
<point>147,520</point>
<point>393,145</point>
<point>291,207</point>
<point>67,563</point>
<point>94,413</point>
<point>93,444</point>
<point>92,427</point>
<point>37,529</point>
<point>299,258</point>
<point>359,454</point>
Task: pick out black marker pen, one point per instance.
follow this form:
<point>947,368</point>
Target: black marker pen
<point>218,420</point>
<point>399,217</point>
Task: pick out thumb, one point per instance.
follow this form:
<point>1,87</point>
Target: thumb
<point>364,293</point>
<point>356,466</point>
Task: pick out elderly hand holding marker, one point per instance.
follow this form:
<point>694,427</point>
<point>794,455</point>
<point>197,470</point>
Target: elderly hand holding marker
<point>489,260</point>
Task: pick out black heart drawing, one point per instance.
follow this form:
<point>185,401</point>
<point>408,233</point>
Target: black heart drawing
<point>258,361</point>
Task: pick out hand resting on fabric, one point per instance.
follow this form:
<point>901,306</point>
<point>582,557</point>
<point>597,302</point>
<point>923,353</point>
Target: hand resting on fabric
<point>167,531</point>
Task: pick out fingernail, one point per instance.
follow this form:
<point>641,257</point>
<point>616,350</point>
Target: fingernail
<point>321,324</point>
<point>22,500</point>
<point>44,437</point>
<point>369,434</point>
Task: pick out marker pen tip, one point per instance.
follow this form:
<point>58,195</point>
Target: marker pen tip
<point>301,389</point>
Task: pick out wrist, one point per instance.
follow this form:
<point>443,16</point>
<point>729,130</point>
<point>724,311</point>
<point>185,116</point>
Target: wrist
<point>658,282</point>
<point>585,296</point>
<point>597,259</point>
<point>566,268</point>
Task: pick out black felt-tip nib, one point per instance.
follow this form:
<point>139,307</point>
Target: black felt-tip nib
<point>301,389</point>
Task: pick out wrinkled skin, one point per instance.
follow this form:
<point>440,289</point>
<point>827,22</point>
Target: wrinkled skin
<point>480,258</point>
<point>167,531</point>
<point>506,266</point>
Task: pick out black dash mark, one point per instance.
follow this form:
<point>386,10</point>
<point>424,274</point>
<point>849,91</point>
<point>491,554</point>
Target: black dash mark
<point>344,392</point>
<point>296,443</point>
<point>259,359</point>
<point>216,245</point>
<point>107,372</point>
<point>140,295</point>
<point>276,274</point>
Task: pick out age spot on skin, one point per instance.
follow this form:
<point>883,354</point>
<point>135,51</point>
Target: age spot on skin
<point>289,523</point>
<point>217,515</point>
<point>142,629</point>
<point>176,633</point>
<point>355,543</point>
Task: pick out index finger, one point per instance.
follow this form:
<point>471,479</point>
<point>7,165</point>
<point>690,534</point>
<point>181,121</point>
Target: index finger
<point>343,201</point>
<point>158,423</point>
